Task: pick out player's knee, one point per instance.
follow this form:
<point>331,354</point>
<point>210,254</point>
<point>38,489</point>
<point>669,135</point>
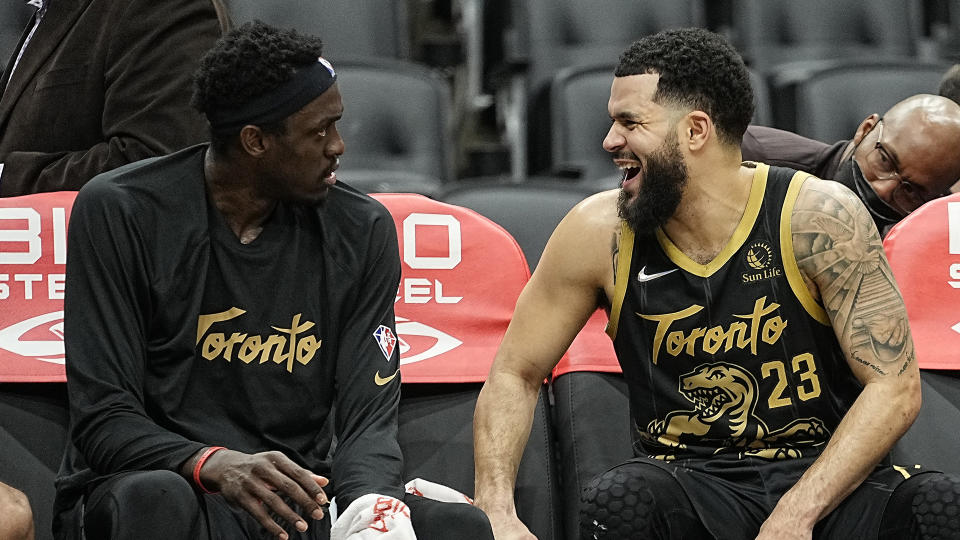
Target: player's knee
<point>936,507</point>
<point>624,503</point>
<point>17,522</point>
<point>138,501</point>
<point>155,486</point>
<point>931,504</point>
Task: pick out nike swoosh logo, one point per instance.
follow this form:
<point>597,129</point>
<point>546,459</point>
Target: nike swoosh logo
<point>384,380</point>
<point>641,277</point>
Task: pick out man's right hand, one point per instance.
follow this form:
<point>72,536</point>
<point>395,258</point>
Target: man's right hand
<point>509,527</point>
<point>257,483</point>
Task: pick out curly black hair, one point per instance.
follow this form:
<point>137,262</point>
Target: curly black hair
<point>249,62</point>
<point>698,69</point>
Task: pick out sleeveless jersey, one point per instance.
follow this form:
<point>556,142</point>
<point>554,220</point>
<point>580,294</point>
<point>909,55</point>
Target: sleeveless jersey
<point>734,356</point>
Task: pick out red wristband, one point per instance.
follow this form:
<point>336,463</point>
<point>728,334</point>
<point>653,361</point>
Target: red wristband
<point>203,459</point>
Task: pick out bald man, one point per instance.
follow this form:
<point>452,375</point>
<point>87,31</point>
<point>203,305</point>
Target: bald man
<point>894,163</point>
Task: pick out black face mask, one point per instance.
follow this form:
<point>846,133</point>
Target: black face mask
<point>850,175</point>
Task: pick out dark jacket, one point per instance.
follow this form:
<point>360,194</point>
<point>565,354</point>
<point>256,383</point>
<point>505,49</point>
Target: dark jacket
<point>787,149</point>
<point>101,83</point>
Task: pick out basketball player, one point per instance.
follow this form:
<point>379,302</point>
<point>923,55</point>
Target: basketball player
<point>761,334</point>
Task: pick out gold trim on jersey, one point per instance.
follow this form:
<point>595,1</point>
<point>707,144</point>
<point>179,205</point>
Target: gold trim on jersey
<point>740,234</point>
<point>787,254</point>
<point>622,277</point>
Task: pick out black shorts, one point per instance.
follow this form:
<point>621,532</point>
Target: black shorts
<point>733,496</point>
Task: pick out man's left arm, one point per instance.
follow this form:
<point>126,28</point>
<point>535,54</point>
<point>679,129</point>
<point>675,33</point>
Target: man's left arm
<point>368,457</point>
<point>145,107</point>
<point>840,252</point>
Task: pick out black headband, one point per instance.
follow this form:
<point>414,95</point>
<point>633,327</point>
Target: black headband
<point>305,85</point>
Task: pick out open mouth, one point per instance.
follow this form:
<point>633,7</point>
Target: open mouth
<point>629,173</point>
<point>330,174</point>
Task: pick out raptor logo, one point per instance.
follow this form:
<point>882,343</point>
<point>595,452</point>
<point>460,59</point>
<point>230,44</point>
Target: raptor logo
<point>419,342</point>
<point>22,338</point>
<point>724,398</point>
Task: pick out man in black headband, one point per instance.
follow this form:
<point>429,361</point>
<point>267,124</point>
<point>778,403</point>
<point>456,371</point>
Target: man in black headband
<point>230,313</point>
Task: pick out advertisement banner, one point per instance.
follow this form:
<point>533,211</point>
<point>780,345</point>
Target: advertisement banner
<point>33,253</point>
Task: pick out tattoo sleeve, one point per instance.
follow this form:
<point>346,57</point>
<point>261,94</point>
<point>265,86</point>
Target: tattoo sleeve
<point>837,246</point>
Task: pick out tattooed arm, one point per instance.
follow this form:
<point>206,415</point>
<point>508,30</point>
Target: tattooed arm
<point>840,254</point>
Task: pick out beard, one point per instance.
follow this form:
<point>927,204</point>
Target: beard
<point>664,178</point>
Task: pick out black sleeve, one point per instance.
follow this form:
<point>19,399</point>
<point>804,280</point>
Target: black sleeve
<point>368,458</point>
<point>106,317</point>
<point>146,103</point>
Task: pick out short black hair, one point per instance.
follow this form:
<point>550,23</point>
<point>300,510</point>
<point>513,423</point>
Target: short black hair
<point>698,69</point>
<point>950,84</point>
<point>246,63</point>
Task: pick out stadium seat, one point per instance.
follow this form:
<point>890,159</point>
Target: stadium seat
<point>529,210</point>
<point>33,399</point>
<point>461,277</point>
<point>375,29</point>
<point>396,125</point>
<point>591,414</point>
<point>827,100</point>
<point>771,32</point>
<point>924,254</point>
<point>548,35</point>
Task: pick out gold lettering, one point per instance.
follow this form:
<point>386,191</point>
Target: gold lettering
<point>741,334</point>
<point>292,347</point>
<point>273,345</point>
<point>758,312</point>
<point>295,328</point>
<point>772,329</point>
<point>307,348</point>
<point>713,339</point>
<point>740,330</point>
<point>663,324</point>
<point>692,340</point>
<point>204,322</point>
<point>212,346</point>
<point>250,349</point>
<point>674,343</point>
<point>235,338</point>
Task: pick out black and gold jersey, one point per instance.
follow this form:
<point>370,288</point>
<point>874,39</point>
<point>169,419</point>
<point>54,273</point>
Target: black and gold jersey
<point>732,356</point>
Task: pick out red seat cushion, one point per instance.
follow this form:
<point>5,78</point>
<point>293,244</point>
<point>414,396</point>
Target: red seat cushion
<point>33,249</point>
<point>924,253</point>
<point>462,274</point>
<point>591,350</point>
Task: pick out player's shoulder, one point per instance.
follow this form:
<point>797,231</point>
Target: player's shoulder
<point>597,212</point>
<point>815,193</point>
<point>581,243</point>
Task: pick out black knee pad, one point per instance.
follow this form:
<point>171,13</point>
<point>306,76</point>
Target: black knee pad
<point>628,501</point>
<point>936,507</point>
<point>925,507</point>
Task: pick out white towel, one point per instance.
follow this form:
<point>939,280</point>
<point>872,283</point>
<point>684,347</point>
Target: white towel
<point>437,492</point>
<point>374,517</point>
